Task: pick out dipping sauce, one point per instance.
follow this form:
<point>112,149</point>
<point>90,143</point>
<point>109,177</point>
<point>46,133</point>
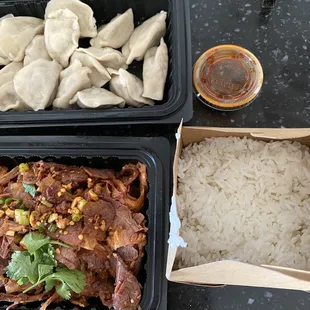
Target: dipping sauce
<point>227,77</point>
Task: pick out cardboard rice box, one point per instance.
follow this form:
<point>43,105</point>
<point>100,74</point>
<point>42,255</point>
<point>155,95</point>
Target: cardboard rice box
<point>228,272</point>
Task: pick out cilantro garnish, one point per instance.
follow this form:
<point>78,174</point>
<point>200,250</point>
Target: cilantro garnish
<point>30,189</point>
<point>34,241</point>
<point>38,265</point>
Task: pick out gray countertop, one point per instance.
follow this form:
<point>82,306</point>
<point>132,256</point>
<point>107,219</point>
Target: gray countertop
<point>280,40</point>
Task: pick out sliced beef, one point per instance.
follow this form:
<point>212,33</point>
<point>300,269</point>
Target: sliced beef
<point>62,208</point>
<point>5,246</point>
<point>72,237</point>
<point>17,191</point>
<point>23,298</point>
<point>100,174</point>
<point>53,192</point>
<point>74,176</point>
<point>127,293</point>
<point>3,264</point>
<point>124,189</point>
<point>132,257</point>
<point>68,257</point>
<point>54,298</point>
<point>100,213</point>
<point>11,175</point>
<point>6,225</point>
<point>125,230</point>
<point>3,170</point>
<point>129,174</point>
<point>108,189</point>
<point>97,260</point>
<point>64,174</point>
<point>29,177</point>
<point>11,287</point>
<point>129,254</point>
<point>98,287</point>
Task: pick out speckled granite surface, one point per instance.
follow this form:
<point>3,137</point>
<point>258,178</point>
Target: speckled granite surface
<point>280,40</point>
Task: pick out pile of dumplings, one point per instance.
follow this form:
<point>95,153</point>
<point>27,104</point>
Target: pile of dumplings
<point>44,65</point>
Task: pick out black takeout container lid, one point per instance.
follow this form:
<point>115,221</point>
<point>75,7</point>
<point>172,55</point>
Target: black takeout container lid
<point>177,102</point>
<point>111,152</point>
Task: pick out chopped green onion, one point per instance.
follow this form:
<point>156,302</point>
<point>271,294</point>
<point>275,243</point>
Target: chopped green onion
<point>76,217</point>
<point>52,228</point>
<point>8,201</point>
<point>41,228</point>
<point>22,217</point>
<point>23,207</point>
<point>2,202</point>
<point>46,203</point>
<point>23,168</point>
<point>81,204</point>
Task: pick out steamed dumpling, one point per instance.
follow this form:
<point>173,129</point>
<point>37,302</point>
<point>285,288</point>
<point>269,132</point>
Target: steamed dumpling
<point>108,57</point>
<point>8,72</point>
<point>144,37</point>
<point>155,70</point>
<point>72,80</point>
<point>99,76</point>
<point>36,83</point>
<point>36,50</point>
<point>16,34</point>
<point>5,17</point>
<point>98,97</point>
<point>84,13</point>
<point>62,33</point>
<point>9,100</point>
<point>116,33</point>
<point>130,88</point>
<point>3,60</point>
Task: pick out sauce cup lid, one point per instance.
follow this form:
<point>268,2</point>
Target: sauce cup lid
<point>227,77</point>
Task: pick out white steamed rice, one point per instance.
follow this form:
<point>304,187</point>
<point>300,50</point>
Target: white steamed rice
<point>245,200</point>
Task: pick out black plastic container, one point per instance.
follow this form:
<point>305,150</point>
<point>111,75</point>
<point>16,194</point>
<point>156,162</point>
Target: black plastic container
<point>112,152</point>
<point>177,102</point>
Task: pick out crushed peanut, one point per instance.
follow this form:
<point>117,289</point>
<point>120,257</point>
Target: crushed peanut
<point>53,217</point>
<point>57,251</point>
<point>90,183</point>
<point>10,233</point>
<point>71,223</point>
<point>93,196</point>
<point>81,237</point>
<point>102,227</point>
<point>1,213</point>
<point>10,213</point>
<point>66,232</point>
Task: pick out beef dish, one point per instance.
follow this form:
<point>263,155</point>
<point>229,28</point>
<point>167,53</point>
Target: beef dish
<point>96,212</point>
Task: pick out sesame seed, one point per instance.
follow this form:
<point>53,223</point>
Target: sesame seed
<point>71,223</point>
<point>81,237</point>
<point>66,232</point>
<point>57,251</point>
